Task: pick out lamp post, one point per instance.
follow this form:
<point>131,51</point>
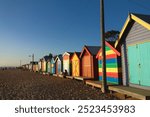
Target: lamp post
<point>32,57</point>
<point>102,27</point>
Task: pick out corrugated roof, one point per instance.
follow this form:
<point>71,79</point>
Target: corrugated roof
<point>143,17</point>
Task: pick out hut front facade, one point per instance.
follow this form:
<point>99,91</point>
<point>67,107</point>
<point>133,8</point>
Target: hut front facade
<point>53,65</point>
<point>43,65</point>
<point>35,67</point>
<point>76,64</point>
<point>134,40</point>
<point>59,65</point>
<point>67,62</point>
<point>89,66</point>
<point>31,66</point>
<point>27,66</point>
<point>113,64</point>
<point>48,66</point>
<point>44,62</point>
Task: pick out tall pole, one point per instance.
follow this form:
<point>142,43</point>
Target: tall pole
<point>104,82</point>
<point>32,57</point>
<point>32,61</point>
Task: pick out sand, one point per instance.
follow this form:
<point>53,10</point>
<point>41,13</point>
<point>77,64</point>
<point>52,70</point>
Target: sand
<point>24,85</point>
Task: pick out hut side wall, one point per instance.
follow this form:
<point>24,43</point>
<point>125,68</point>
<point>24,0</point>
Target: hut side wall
<point>95,68</point>
<point>124,64</point>
<point>39,65</point>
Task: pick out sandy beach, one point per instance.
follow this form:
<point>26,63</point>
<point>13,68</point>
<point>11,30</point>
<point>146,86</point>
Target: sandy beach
<point>24,85</point>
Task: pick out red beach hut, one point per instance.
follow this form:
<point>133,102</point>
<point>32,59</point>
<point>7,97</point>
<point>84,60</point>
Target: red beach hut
<point>89,66</point>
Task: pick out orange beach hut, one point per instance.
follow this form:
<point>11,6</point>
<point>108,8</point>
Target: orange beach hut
<point>76,67</point>
<point>89,66</point>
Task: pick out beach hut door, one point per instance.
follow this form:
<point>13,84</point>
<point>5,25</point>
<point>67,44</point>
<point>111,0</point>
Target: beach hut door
<point>138,63</point>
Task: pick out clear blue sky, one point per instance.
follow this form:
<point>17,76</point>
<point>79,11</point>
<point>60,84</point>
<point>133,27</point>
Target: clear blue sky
<point>56,26</point>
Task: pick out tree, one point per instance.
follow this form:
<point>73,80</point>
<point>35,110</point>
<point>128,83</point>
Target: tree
<point>111,35</point>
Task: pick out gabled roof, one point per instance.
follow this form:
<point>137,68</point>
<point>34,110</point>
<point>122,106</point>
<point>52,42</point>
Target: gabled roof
<point>68,53</point>
<point>45,58</point>
<point>92,50</point>
<point>143,20</point>
<point>77,53</point>
<point>59,57</point>
<point>33,62</point>
<point>109,45</point>
<point>53,59</point>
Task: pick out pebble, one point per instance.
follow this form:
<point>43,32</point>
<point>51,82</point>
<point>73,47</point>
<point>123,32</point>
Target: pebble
<point>24,85</point>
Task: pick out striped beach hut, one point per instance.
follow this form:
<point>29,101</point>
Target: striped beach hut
<point>59,64</point>
<point>76,67</point>
<point>67,65</point>
<point>134,40</point>
<point>89,66</point>
<point>113,64</point>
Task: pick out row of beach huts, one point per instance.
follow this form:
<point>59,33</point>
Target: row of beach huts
<point>127,59</point>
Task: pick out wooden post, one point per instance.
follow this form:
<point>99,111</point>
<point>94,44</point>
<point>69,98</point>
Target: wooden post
<point>32,57</point>
<point>104,82</point>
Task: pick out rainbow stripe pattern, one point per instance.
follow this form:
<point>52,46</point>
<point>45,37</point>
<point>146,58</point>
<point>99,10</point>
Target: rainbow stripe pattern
<point>113,64</point>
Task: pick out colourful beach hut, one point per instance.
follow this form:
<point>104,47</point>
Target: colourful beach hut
<point>53,65</point>
<point>76,67</point>
<point>113,64</point>
<point>134,40</point>
<point>67,62</point>
<point>48,66</point>
<point>43,65</point>
<point>89,66</point>
<point>31,66</point>
<point>59,64</point>
<point>39,65</point>
<point>35,66</point>
<point>27,66</point>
